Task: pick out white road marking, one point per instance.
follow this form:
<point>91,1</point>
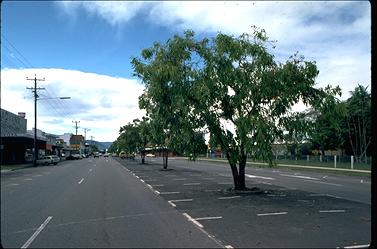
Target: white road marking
<point>208,178</point>
<point>171,203</point>
<point>28,179</point>
<point>303,177</point>
<point>228,197</point>
<point>90,170</point>
<point>30,240</point>
<point>192,220</point>
<point>181,200</point>
<point>357,246</point>
<point>157,185</point>
<point>141,180</point>
<point>229,247</point>
<point>324,177</point>
<point>189,184</point>
<point>209,218</point>
<point>14,184</point>
<point>157,192</point>
<point>333,211</point>
<point>266,214</point>
<point>261,177</point>
<point>168,193</point>
<point>327,183</point>
<point>136,176</point>
<point>179,179</point>
<point>361,181</point>
<point>38,175</point>
<point>277,195</point>
<point>82,179</point>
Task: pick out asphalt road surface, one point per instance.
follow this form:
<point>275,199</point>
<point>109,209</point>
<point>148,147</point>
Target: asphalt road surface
<point>110,202</point>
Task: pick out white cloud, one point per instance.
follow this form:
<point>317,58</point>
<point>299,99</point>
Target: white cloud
<point>101,103</point>
<point>335,34</point>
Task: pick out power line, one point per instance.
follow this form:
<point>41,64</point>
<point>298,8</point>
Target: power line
<point>26,60</point>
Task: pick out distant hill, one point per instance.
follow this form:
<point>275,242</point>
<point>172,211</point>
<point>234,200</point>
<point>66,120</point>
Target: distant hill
<point>100,145</point>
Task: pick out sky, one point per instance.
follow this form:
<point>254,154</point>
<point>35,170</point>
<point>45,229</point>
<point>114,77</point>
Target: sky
<point>83,50</point>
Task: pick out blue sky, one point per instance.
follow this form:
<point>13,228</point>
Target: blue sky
<point>83,49</point>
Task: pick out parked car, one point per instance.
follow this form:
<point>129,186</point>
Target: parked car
<point>96,154</point>
<point>150,155</point>
<point>74,157</point>
<point>46,160</point>
<point>106,155</point>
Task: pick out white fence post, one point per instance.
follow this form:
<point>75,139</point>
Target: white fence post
<point>334,161</point>
<point>320,158</point>
<point>307,158</point>
<point>351,162</point>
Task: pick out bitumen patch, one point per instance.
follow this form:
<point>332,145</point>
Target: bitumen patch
<point>270,217</point>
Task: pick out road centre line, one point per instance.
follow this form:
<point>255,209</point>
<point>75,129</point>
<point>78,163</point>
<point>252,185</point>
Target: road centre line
<point>327,183</point>
<point>82,179</point>
<point>266,214</point>
<point>228,197</point>
<point>303,177</point>
<point>190,184</point>
<point>333,211</point>
<point>262,177</point>
<point>209,218</point>
<point>35,234</point>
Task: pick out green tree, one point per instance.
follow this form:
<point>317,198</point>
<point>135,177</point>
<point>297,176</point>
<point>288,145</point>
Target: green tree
<point>327,132</point>
<point>359,122</point>
<point>232,87</point>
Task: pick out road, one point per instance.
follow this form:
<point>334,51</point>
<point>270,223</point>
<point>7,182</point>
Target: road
<point>93,203</point>
<point>109,202</point>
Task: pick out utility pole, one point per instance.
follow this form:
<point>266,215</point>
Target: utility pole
<point>34,90</point>
<point>85,130</point>
<point>91,143</point>
<point>76,127</point>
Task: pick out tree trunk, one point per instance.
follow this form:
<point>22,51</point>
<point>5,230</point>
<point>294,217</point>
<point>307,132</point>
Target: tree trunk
<point>235,176</point>
<point>165,158</point>
<point>241,175</point>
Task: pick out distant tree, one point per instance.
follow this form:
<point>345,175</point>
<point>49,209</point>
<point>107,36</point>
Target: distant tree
<point>327,132</point>
<point>359,122</point>
<point>230,86</point>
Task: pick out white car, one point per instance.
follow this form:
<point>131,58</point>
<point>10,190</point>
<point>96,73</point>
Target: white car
<point>46,160</point>
<point>150,155</point>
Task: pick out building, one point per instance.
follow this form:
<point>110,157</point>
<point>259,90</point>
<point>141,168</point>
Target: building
<point>16,145</point>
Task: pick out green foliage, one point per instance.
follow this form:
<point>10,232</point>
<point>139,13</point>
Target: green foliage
<point>230,86</point>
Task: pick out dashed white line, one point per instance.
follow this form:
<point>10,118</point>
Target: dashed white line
<point>189,184</point>
<point>209,218</point>
<point>181,200</point>
<point>14,184</point>
<point>141,180</point>
<point>208,178</point>
<point>157,185</point>
<point>31,239</point>
<point>179,179</point>
<point>82,179</point>
<point>333,211</point>
<point>357,246</point>
<point>261,177</point>
<point>171,203</point>
<point>28,179</point>
<point>277,213</point>
<point>228,197</point>
<point>192,220</point>
<point>168,193</point>
<point>303,177</point>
